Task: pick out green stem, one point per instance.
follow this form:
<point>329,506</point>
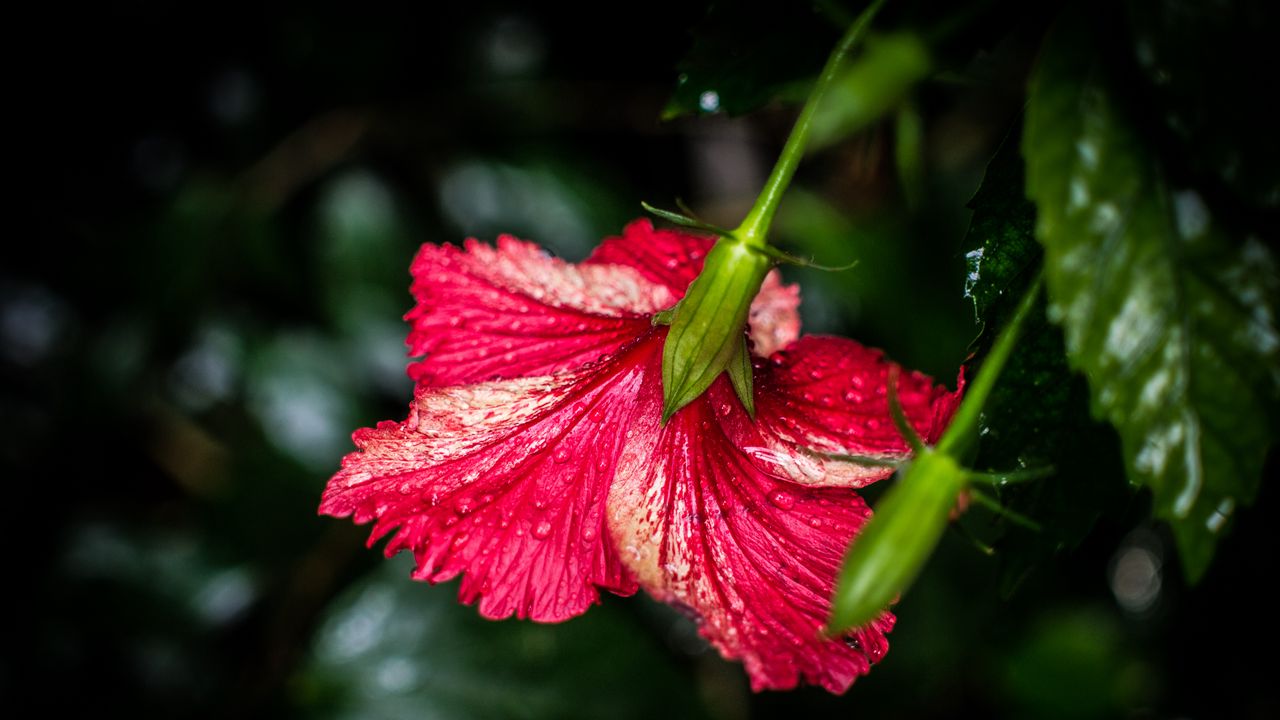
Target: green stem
<point>964,427</point>
<point>755,226</point>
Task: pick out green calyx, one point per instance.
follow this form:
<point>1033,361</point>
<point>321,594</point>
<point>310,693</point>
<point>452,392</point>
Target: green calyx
<point>707,334</point>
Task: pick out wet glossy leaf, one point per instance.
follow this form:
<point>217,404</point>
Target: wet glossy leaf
<point>1038,414</point>
<point>1171,320</point>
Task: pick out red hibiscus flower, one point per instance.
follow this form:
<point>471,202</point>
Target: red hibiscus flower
<point>533,461</point>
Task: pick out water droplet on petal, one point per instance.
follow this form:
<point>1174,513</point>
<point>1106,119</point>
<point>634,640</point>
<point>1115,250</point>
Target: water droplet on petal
<point>588,534</point>
<point>597,415</point>
<point>724,409</point>
<point>542,530</point>
<point>464,505</point>
<point>561,456</point>
<point>815,522</point>
<point>783,499</point>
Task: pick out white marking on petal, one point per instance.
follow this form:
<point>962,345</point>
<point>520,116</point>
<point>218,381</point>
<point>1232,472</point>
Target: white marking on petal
<point>609,290</point>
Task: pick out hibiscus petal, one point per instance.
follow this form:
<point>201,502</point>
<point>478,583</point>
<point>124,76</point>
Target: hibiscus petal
<point>830,395</point>
<point>504,482</point>
<point>509,311</point>
<point>752,557</point>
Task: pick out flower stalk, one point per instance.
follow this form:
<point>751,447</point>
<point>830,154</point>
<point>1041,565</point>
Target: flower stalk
<point>708,325</point>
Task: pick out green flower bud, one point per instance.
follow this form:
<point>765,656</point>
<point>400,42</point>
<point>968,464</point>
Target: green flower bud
<point>894,545</point>
<point>707,326</point>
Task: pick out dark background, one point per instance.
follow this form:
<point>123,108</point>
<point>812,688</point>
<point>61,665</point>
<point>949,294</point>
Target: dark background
<point>200,300</point>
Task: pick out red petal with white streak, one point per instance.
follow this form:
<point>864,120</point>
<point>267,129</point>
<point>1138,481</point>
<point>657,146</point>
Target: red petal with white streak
<point>752,556</point>
<point>504,482</point>
<point>513,311</point>
<point>830,395</point>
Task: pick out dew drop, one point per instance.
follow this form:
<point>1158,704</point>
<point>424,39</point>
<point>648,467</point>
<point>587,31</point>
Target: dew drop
<point>724,409</point>
<point>783,499</point>
<point>815,522</point>
<point>542,530</point>
<point>464,505</point>
<point>459,540</point>
<point>853,396</point>
<point>672,263</point>
<point>588,534</point>
<point>560,456</point>
<point>596,415</point>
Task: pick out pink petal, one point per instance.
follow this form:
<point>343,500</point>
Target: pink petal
<point>504,482</point>
<point>511,311</point>
<point>829,395</point>
<point>753,558</point>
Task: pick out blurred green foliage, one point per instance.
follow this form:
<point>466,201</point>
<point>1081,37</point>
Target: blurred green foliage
<point>201,300</point>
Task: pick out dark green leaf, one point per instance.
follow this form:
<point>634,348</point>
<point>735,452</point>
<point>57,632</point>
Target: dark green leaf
<point>1038,414</point>
<point>743,58</point>
<point>1171,321</point>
